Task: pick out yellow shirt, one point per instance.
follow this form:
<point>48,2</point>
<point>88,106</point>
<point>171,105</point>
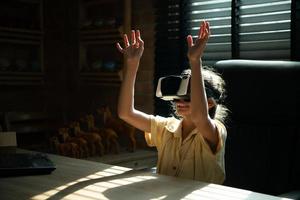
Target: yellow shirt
<point>191,158</point>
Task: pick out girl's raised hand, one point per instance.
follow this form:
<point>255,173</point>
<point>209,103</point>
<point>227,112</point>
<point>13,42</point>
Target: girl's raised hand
<point>134,49</point>
<point>195,50</point>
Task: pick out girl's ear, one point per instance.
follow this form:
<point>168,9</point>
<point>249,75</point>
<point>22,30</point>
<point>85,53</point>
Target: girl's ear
<point>211,103</point>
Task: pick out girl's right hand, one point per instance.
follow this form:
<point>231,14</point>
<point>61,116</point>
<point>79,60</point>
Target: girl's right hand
<point>133,50</point>
<point>196,49</point>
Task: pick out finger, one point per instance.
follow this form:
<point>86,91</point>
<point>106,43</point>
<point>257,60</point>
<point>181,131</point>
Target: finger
<point>133,40</point>
<point>126,42</point>
<point>189,40</point>
<point>141,42</point>
<point>119,47</point>
<point>137,35</point>
<point>206,31</point>
<point>206,34</point>
<point>202,27</point>
<point>207,27</point>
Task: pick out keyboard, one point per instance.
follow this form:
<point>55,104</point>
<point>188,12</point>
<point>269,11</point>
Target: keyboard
<point>21,164</point>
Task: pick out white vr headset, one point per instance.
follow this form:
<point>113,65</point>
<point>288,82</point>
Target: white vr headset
<point>173,87</point>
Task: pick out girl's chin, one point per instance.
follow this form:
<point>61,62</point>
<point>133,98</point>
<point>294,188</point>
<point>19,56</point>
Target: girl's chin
<point>182,111</point>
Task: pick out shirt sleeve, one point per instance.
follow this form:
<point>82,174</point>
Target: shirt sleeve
<point>158,124</point>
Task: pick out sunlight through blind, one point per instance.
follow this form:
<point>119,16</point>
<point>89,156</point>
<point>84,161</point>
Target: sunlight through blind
<point>218,13</point>
<point>265,29</point>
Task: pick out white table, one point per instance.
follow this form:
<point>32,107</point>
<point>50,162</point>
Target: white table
<point>80,180</point>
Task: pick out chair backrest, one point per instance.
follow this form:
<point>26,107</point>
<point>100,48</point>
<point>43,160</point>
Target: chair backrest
<point>263,89</point>
<point>262,149</point>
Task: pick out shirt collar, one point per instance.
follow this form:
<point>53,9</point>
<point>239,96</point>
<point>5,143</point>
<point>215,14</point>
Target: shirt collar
<point>174,125</point>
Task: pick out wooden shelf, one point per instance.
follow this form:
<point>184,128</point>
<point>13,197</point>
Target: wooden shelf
<point>100,35</point>
<point>19,30</point>
<point>21,40</point>
<point>97,2</point>
<point>15,35</point>
<point>100,31</point>
<point>21,78</point>
<point>101,78</point>
<point>32,1</point>
<point>94,42</point>
<point>98,42</point>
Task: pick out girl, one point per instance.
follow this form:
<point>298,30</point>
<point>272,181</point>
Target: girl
<point>193,145</point>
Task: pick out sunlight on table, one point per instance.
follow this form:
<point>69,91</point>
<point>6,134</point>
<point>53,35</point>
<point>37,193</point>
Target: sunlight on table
<point>94,191</point>
<point>110,183</point>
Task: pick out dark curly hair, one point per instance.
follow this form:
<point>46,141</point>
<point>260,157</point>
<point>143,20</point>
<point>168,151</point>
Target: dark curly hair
<point>214,88</point>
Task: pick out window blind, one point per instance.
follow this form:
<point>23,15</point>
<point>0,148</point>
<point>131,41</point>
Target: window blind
<point>169,46</point>
<point>168,52</point>
<point>218,13</point>
<point>265,29</point>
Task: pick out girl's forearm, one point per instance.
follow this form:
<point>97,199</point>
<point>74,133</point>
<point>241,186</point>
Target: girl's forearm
<point>199,106</point>
<point>126,96</point>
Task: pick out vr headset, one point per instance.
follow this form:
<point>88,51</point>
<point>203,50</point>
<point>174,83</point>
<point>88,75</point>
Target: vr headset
<point>173,87</point>
<point>170,88</point>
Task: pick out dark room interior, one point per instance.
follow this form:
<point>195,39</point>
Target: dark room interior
<point>60,75</point>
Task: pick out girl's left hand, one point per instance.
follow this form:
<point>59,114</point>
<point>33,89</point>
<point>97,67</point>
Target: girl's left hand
<point>132,51</point>
<point>195,50</point>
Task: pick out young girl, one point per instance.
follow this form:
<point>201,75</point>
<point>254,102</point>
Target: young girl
<point>192,146</point>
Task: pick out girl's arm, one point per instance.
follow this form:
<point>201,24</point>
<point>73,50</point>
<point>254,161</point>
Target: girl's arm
<point>132,54</point>
<point>199,103</point>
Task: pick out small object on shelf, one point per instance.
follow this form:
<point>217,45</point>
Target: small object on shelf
<point>21,65</point>
<point>109,136</point>
<point>35,66</point>
<point>119,126</point>
<point>4,64</point>
<point>97,65</point>
<point>98,22</point>
<point>87,24</point>
<point>69,149</point>
<point>109,65</point>
<point>111,22</point>
<point>64,134</point>
<point>93,139</point>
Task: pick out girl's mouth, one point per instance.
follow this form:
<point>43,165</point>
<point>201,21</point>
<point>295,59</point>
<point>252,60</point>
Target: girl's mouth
<point>182,105</point>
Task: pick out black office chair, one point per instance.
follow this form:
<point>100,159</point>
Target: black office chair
<point>263,145</point>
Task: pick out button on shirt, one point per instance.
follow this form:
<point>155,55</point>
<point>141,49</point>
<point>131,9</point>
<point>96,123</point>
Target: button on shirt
<point>191,158</point>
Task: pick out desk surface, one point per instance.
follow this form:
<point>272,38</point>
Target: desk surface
<point>82,180</point>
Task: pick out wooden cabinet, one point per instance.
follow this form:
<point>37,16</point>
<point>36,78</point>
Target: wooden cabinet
<point>102,23</point>
<point>21,42</point>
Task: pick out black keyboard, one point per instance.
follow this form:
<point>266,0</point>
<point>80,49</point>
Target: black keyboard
<point>20,164</point>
